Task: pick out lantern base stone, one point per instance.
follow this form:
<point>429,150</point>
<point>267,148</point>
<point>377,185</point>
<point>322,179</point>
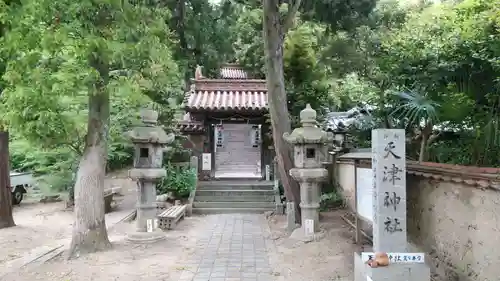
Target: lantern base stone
<point>300,235</point>
<point>146,237</point>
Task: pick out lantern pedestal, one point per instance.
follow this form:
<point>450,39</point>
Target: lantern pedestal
<point>149,141</point>
<point>308,142</point>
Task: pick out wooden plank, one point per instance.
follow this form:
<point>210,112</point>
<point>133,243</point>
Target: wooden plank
<point>173,212</point>
<point>164,213</point>
<point>169,218</point>
<point>357,224</point>
<point>169,212</point>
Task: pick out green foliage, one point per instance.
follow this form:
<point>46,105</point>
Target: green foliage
<point>53,167</point>
<point>202,34</point>
<point>248,45</point>
<point>331,200</point>
<point>176,152</point>
<point>180,181</point>
<point>448,54</point>
<point>334,58</point>
<point>306,80</point>
<point>416,109</point>
<point>58,53</point>
<point>339,15</point>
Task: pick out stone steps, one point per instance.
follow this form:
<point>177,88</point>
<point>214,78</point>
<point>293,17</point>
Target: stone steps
<point>234,196</point>
<point>225,204</point>
<point>235,184</point>
<point>235,193</point>
<point>212,211</point>
<point>232,166</point>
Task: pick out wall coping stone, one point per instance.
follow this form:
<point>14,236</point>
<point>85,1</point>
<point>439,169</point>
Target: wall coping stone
<point>479,177</point>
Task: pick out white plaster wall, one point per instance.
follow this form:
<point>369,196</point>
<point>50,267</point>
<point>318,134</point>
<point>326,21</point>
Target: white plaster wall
<point>345,178</point>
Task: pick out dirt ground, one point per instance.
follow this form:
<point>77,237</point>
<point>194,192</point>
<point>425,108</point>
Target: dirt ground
<point>39,225</point>
<point>328,259</point>
<point>128,262</point>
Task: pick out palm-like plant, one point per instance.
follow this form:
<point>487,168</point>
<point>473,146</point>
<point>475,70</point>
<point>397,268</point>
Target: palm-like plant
<point>419,111</point>
<point>490,136</point>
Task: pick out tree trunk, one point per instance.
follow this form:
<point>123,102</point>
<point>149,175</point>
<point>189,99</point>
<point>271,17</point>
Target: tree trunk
<point>89,229</point>
<point>6,218</point>
<point>278,109</point>
<point>426,133</point>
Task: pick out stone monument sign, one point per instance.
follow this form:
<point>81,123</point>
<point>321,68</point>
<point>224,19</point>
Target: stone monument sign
<point>389,180</point>
<point>389,215</point>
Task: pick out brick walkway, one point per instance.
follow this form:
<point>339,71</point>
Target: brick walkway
<point>232,248</point>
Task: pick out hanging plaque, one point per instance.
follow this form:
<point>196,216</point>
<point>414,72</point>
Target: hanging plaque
<point>206,162</point>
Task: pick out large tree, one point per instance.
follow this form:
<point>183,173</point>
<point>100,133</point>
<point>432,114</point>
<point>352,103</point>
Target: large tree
<point>6,218</point>
<point>338,15</point>
<point>274,31</point>
<point>90,50</point>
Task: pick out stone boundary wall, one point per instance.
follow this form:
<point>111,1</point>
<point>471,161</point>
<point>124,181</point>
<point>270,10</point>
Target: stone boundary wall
<point>453,215</point>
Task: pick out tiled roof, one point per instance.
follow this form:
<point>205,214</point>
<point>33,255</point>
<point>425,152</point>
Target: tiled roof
<point>227,100</point>
<point>187,125</point>
<point>225,94</point>
<point>232,72</point>
<point>357,117</point>
<point>191,127</point>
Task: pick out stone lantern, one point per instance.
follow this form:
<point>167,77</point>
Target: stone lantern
<point>149,141</point>
<point>309,142</point>
<point>339,139</point>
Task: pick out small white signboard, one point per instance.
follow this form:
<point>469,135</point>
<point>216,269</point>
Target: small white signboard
<point>364,188</point>
<point>149,225</point>
<point>397,257</point>
<point>368,278</point>
<point>309,227</point>
<point>155,224</point>
<point>206,164</point>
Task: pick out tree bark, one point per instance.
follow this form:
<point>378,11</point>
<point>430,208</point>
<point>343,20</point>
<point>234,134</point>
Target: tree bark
<point>426,133</point>
<point>89,229</point>
<point>278,109</point>
<point>6,218</point>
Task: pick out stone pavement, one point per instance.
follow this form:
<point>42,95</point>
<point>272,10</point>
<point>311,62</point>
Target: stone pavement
<point>232,249</point>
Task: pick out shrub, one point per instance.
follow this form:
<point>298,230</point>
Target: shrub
<point>331,200</point>
<point>181,181</point>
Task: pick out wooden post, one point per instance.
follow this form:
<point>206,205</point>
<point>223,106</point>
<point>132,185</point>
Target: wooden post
<point>356,215</point>
<point>291,216</point>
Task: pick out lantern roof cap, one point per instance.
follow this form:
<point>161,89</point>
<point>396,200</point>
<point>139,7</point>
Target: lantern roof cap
<point>309,133</point>
<point>148,131</point>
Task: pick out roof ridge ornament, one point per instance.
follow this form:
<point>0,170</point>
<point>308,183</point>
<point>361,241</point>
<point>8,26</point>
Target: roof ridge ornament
<point>198,74</point>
